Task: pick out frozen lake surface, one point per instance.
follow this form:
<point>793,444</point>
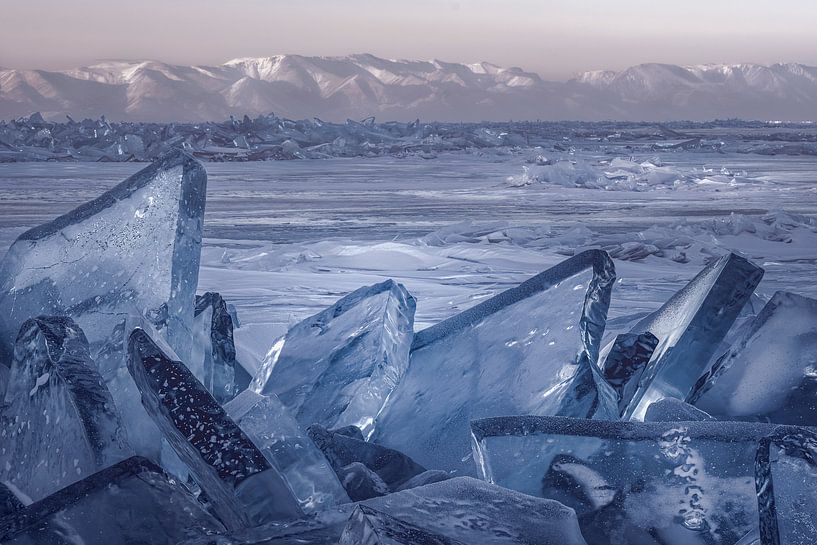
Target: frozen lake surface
<point>285,239</point>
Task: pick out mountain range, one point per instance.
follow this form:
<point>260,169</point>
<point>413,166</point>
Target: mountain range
<point>358,86</point>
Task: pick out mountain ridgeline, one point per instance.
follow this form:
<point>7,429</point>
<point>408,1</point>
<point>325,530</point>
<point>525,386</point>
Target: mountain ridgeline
<point>357,86</point>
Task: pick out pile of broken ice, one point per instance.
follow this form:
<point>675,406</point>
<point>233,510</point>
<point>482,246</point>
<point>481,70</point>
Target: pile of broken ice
<point>127,417</point>
<point>270,137</point>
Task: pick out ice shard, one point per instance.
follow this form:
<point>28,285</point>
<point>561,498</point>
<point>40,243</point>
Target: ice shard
<point>631,483</point>
<point>133,250</point>
<point>243,487</point>
<point>60,423</point>
<point>393,467</point>
<point>338,367</point>
<point>770,373</point>
<point>786,479</point>
<point>625,363</point>
<point>279,436</point>
<point>473,511</point>
<point>130,502</point>
<point>368,526</point>
<point>532,349</point>
<point>670,409</point>
<point>689,327</point>
<point>212,358</point>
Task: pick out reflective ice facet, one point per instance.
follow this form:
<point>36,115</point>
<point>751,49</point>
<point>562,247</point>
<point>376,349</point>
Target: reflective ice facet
<point>631,483</point>
<point>338,367</point>
<point>241,485</point>
<point>689,327</point>
<point>274,430</point>
<point>770,373</point>
<point>532,349</point>
<point>60,423</point>
<point>133,250</point>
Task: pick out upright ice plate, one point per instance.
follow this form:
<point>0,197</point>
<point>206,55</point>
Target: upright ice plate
<point>770,373</point>
<point>133,250</point>
<point>243,487</point>
<point>338,367</point>
<point>689,327</point>
<point>60,423</point>
<point>786,479</point>
<point>127,503</point>
<point>631,483</point>
<point>212,358</point>
<point>532,349</point>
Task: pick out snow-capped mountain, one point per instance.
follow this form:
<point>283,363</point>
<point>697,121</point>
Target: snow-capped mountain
<point>356,86</point>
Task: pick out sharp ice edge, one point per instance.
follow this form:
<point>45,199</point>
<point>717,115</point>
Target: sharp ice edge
<point>531,349</point>
<point>243,487</point>
<point>60,422</point>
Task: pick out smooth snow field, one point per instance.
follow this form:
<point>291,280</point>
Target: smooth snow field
<point>285,239</point>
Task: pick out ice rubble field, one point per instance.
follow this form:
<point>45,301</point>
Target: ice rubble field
<point>603,295</point>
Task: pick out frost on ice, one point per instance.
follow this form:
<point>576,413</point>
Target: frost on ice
<point>278,435</point>
<point>770,372</point>
<point>690,327</point>
<point>786,479</point>
<point>532,349</point>
<point>60,423</point>
<point>631,483</point>
<point>130,502</point>
<point>338,367</point>
<point>242,485</point>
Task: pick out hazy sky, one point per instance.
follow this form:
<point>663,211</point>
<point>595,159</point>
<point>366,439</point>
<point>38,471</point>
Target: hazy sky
<point>556,38</point>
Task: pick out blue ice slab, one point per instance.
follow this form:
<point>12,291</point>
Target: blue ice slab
<point>786,479</point>
<point>243,487</point>
<point>770,373</point>
<point>131,502</point>
<point>631,483</point>
<point>626,360</point>
<point>212,359</point>
<point>60,423</point>
<point>133,250</point>
<point>272,429</point>
<point>368,526</point>
<point>690,327</point>
<point>473,511</point>
<point>338,367</point>
<point>532,349</point>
